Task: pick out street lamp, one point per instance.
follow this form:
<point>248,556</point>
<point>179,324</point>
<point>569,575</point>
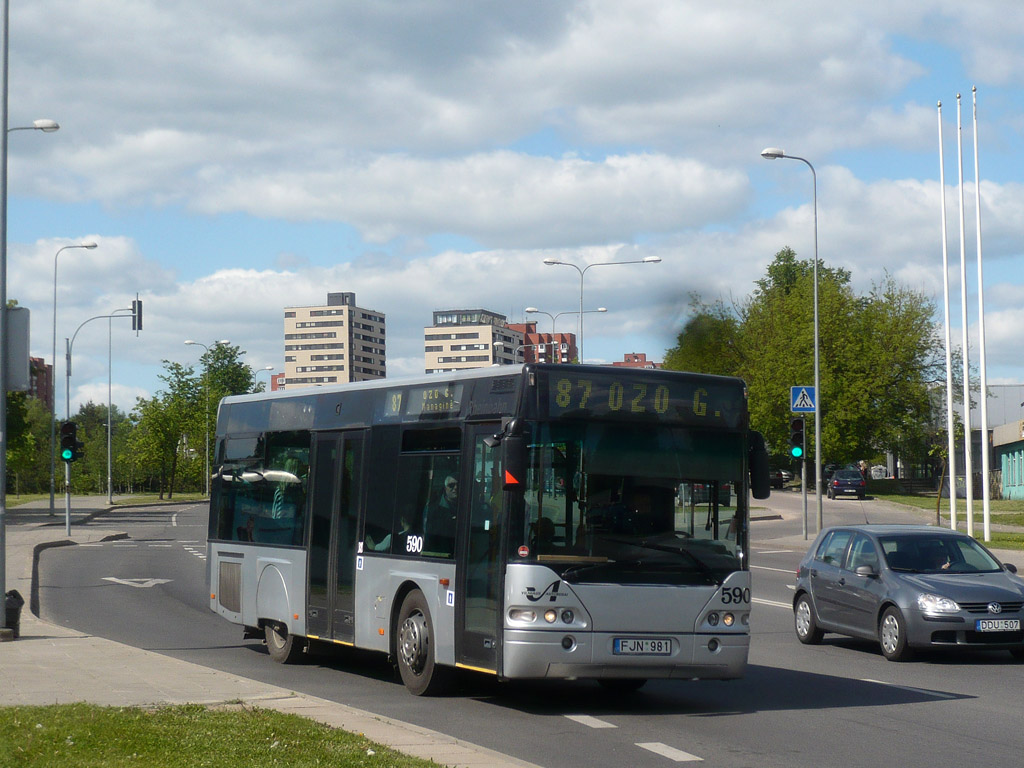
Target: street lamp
<point>535,311</point>
<point>550,261</point>
<point>774,153</point>
<point>41,125</point>
<point>206,413</point>
<point>264,369</point>
<point>53,373</point>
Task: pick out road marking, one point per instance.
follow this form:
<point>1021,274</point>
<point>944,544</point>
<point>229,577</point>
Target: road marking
<point>140,583</point>
<point>160,546</point>
<point>766,568</point>
<point>671,753</point>
<point>590,722</point>
<point>773,551</point>
<point>174,520</point>
<point>911,689</point>
<point>773,603</point>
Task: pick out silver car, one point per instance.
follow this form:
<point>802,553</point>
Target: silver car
<point>908,587</point>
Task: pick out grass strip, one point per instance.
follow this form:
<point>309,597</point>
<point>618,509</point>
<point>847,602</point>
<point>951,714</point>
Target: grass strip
<point>90,736</point>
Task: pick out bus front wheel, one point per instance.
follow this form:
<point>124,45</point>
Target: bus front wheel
<point>281,644</point>
<point>414,646</point>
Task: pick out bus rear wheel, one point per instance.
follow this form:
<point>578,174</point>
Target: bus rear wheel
<point>282,646</point>
<point>414,649</point>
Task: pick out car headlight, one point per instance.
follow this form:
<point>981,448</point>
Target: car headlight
<point>935,604</point>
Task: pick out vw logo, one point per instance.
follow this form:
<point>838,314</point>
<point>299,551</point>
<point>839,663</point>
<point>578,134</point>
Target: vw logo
<point>995,608</point>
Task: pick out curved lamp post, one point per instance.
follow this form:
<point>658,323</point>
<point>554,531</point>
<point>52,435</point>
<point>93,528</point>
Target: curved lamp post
<point>551,261</point>
<point>535,311</point>
<point>46,126</point>
<point>206,413</point>
<point>774,153</point>
<point>53,373</point>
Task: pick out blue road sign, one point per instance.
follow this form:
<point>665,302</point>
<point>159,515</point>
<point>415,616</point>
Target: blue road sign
<point>801,399</point>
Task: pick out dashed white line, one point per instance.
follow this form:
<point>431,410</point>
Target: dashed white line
<point>676,755</point>
<point>773,603</point>
<point>773,551</point>
<point>766,568</point>
<point>590,722</point>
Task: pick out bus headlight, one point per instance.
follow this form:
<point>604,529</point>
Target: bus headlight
<point>568,616</point>
<point>522,614</point>
<point>550,615</point>
<point>728,619</point>
<point>713,619</point>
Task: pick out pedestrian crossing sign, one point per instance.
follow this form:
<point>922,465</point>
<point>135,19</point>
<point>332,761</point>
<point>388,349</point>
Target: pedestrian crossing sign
<point>801,399</point>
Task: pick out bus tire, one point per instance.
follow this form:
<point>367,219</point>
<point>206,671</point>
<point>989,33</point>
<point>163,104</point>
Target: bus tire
<point>414,649</point>
<point>282,646</point>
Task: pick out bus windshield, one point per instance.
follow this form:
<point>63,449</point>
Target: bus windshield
<point>632,504</point>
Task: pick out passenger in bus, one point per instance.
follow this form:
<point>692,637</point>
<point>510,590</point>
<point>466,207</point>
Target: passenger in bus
<point>405,530</point>
<point>439,518</point>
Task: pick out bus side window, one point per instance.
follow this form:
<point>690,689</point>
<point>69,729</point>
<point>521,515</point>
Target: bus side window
<point>428,488</point>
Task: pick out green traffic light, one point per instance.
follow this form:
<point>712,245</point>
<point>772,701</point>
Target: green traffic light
<point>797,452</point>
<point>65,455</point>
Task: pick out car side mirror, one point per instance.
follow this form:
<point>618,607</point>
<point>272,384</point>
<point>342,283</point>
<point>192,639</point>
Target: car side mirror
<point>1010,567</point>
<point>866,570</point>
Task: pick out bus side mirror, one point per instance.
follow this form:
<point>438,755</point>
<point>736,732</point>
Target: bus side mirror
<point>514,462</point>
<point>760,480</point>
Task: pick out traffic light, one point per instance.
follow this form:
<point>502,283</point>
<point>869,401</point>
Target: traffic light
<point>137,315</point>
<point>70,448</point>
<point>796,437</point>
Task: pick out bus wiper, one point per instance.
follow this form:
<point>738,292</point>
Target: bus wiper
<point>575,570</point>
<point>701,565</point>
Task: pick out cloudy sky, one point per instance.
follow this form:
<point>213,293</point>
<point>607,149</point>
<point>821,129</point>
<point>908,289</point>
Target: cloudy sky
<point>234,158</point>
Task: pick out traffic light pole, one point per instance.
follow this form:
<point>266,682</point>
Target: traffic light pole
<point>803,483</point>
<point>136,316</point>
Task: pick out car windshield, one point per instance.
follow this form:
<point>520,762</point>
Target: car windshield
<point>936,554</point>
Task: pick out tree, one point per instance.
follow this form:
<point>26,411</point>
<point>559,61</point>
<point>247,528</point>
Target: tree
<point>877,356</point>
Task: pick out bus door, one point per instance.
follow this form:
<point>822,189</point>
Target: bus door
<point>479,583</point>
<point>337,461</point>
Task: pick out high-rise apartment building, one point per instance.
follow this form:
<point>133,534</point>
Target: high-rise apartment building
<point>335,343</point>
<point>461,339</point>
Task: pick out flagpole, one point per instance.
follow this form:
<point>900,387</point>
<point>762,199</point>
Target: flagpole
<point>985,494</point>
<point>950,420</point>
<point>968,468</point>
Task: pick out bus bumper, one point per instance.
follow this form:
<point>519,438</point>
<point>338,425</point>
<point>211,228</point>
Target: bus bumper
<point>568,655</point>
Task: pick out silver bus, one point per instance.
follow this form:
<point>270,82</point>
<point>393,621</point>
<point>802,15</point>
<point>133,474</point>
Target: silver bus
<point>542,521</point>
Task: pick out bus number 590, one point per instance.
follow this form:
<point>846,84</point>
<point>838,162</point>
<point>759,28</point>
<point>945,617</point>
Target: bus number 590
<point>736,595</point>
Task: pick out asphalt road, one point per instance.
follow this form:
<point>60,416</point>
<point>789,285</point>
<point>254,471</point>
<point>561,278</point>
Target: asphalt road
<point>838,704</point>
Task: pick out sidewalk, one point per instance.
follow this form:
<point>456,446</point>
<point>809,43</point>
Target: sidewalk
<point>49,664</point>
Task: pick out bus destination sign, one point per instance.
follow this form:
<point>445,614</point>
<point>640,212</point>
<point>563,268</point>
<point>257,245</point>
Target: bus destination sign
<point>677,399</point>
<point>411,404</point>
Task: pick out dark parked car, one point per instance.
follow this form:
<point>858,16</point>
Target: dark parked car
<point>908,587</point>
<point>846,482</point>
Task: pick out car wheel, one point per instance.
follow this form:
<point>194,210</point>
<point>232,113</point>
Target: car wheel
<point>892,635</point>
<point>807,630</point>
